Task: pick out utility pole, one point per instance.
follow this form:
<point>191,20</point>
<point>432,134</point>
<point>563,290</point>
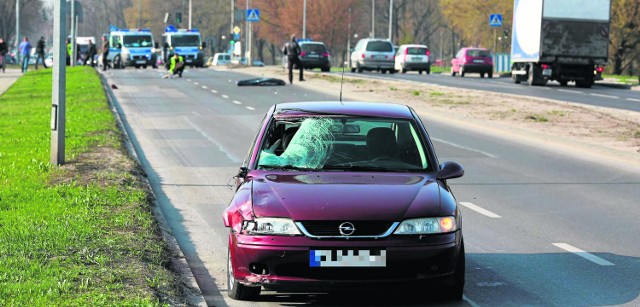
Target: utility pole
<point>373,18</point>
<point>304,20</point>
<point>58,107</point>
<point>232,12</point>
<point>390,19</point>
<point>18,55</point>
<point>190,11</point>
<point>246,30</point>
<point>349,40</point>
<point>72,61</point>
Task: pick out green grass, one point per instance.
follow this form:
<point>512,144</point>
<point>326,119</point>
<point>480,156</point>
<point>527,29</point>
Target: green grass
<point>632,80</point>
<point>537,118</point>
<point>440,69</point>
<point>82,234</point>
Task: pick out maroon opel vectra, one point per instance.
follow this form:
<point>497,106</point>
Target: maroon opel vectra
<point>340,195</point>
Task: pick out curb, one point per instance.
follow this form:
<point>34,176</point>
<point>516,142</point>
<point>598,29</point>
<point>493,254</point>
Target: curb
<point>178,260</point>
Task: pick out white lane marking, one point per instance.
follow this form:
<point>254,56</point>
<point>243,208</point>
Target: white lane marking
<point>466,148</point>
<point>214,91</point>
<point>570,91</point>
<point>583,254</point>
<point>196,83</point>
<point>189,80</point>
<point>469,301</point>
<point>225,96</point>
<point>195,113</point>
<point>605,96</point>
<point>633,99</point>
<point>204,87</point>
<point>237,102</point>
<point>250,108</point>
<point>480,210</point>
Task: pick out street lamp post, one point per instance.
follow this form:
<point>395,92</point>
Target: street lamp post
<point>349,40</point>
<point>390,18</point>
<point>373,18</point>
<point>18,29</point>
<point>304,20</point>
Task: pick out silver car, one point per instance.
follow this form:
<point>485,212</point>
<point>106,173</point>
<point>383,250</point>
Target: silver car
<point>373,54</point>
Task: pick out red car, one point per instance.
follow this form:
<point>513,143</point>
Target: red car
<point>476,60</point>
<point>341,195</point>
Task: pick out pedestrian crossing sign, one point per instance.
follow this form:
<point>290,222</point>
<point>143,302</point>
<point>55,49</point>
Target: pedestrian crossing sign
<point>253,15</point>
<point>495,20</point>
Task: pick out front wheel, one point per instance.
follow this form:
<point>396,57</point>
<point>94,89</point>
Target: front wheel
<point>236,290</point>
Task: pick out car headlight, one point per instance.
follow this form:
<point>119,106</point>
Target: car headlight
<point>271,226</point>
<point>427,226</point>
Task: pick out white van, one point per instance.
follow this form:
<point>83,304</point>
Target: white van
<point>221,59</point>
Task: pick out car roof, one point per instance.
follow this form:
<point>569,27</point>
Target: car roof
<point>308,42</point>
<point>357,108</point>
<point>413,45</point>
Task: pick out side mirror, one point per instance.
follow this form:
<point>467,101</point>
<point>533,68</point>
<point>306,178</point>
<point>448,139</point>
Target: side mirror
<point>156,45</point>
<point>242,173</point>
<point>204,45</point>
<point>119,46</point>
<point>450,170</point>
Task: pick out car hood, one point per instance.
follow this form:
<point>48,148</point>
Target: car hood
<point>338,196</point>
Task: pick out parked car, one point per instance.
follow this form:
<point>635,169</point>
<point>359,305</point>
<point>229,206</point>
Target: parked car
<point>221,59</point>
<point>314,55</point>
<point>476,60</point>
<point>373,54</point>
<point>413,57</point>
<point>334,193</point>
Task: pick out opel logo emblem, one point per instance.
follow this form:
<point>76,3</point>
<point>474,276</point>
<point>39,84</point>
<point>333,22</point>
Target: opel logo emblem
<point>346,229</point>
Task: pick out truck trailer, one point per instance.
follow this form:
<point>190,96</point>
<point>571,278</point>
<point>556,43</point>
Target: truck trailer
<point>564,41</point>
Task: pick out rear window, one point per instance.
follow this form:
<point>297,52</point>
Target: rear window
<point>478,53</point>
<point>417,51</point>
<point>379,46</point>
<point>313,48</point>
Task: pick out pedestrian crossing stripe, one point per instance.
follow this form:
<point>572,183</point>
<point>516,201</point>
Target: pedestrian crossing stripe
<point>253,15</point>
<point>495,20</point>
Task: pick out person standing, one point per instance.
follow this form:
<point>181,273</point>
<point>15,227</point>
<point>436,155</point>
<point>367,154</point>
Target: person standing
<point>292,50</point>
<point>3,51</point>
<point>91,54</point>
<point>40,48</point>
<point>105,52</point>
<point>25,51</point>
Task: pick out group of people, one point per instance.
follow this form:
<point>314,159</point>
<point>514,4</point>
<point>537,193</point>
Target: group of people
<point>25,52</point>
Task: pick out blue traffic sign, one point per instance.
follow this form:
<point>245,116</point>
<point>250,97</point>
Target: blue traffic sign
<point>253,15</point>
<point>495,20</point>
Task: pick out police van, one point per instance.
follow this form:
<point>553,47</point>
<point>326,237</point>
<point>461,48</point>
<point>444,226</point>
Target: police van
<point>185,42</point>
<point>132,47</point>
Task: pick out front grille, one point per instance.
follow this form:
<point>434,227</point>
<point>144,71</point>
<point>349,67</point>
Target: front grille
<point>332,228</point>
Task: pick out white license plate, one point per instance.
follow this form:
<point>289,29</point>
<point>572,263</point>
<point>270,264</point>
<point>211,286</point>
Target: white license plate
<point>347,258</point>
<point>313,56</point>
<point>416,59</point>
<point>478,61</point>
<point>546,72</point>
<point>141,62</point>
<point>188,61</point>
<point>378,56</point>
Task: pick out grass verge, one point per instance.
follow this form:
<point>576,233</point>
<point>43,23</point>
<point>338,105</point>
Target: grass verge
<point>82,234</point>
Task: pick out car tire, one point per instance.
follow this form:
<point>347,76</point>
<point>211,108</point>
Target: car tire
<point>454,288</point>
<point>358,68</point>
<point>236,290</point>
<point>392,71</point>
<point>429,71</point>
<point>383,71</point>
<point>144,66</point>
<point>419,72</point>
<point>117,62</point>
<point>325,69</point>
<point>453,72</point>
<point>563,82</point>
<point>461,71</point>
<point>481,75</point>
<point>490,73</point>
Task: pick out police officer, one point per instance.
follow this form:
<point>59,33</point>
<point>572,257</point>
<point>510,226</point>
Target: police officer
<point>292,50</point>
<point>176,66</point>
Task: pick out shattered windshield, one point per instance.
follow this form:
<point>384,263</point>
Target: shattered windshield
<point>343,143</point>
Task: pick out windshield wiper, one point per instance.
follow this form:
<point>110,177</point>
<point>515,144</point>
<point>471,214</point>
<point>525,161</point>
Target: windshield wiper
<point>288,167</point>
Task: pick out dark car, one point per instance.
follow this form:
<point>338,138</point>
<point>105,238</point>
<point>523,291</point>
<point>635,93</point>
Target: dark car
<point>475,60</point>
<point>343,194</point>
<point>314,55</point>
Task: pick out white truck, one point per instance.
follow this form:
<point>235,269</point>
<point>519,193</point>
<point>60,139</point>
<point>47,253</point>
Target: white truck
<point>564,41</point>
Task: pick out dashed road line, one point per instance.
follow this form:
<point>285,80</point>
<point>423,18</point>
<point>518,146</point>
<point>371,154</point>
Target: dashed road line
<point>225,96</point>
<point>196,83</point>
<point>250,108</point>
<point>605,96</point>
<point>237,102</point>
<point>570,91</point>
<point>214,91</point>
<point>480,210</point>
<point>204,87</point>
<point>591,257</point>
<point>633,99</point>
<point>189,80</point>
<point>465,148</point>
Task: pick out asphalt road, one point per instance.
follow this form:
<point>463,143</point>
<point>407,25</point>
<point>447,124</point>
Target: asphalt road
<point>600,94</point>
<point>540,227</point>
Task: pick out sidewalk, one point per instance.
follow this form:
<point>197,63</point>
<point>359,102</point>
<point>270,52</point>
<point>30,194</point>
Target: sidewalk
<point>8,78</point>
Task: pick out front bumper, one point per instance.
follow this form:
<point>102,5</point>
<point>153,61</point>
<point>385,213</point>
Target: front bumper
<point>284,262</point>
